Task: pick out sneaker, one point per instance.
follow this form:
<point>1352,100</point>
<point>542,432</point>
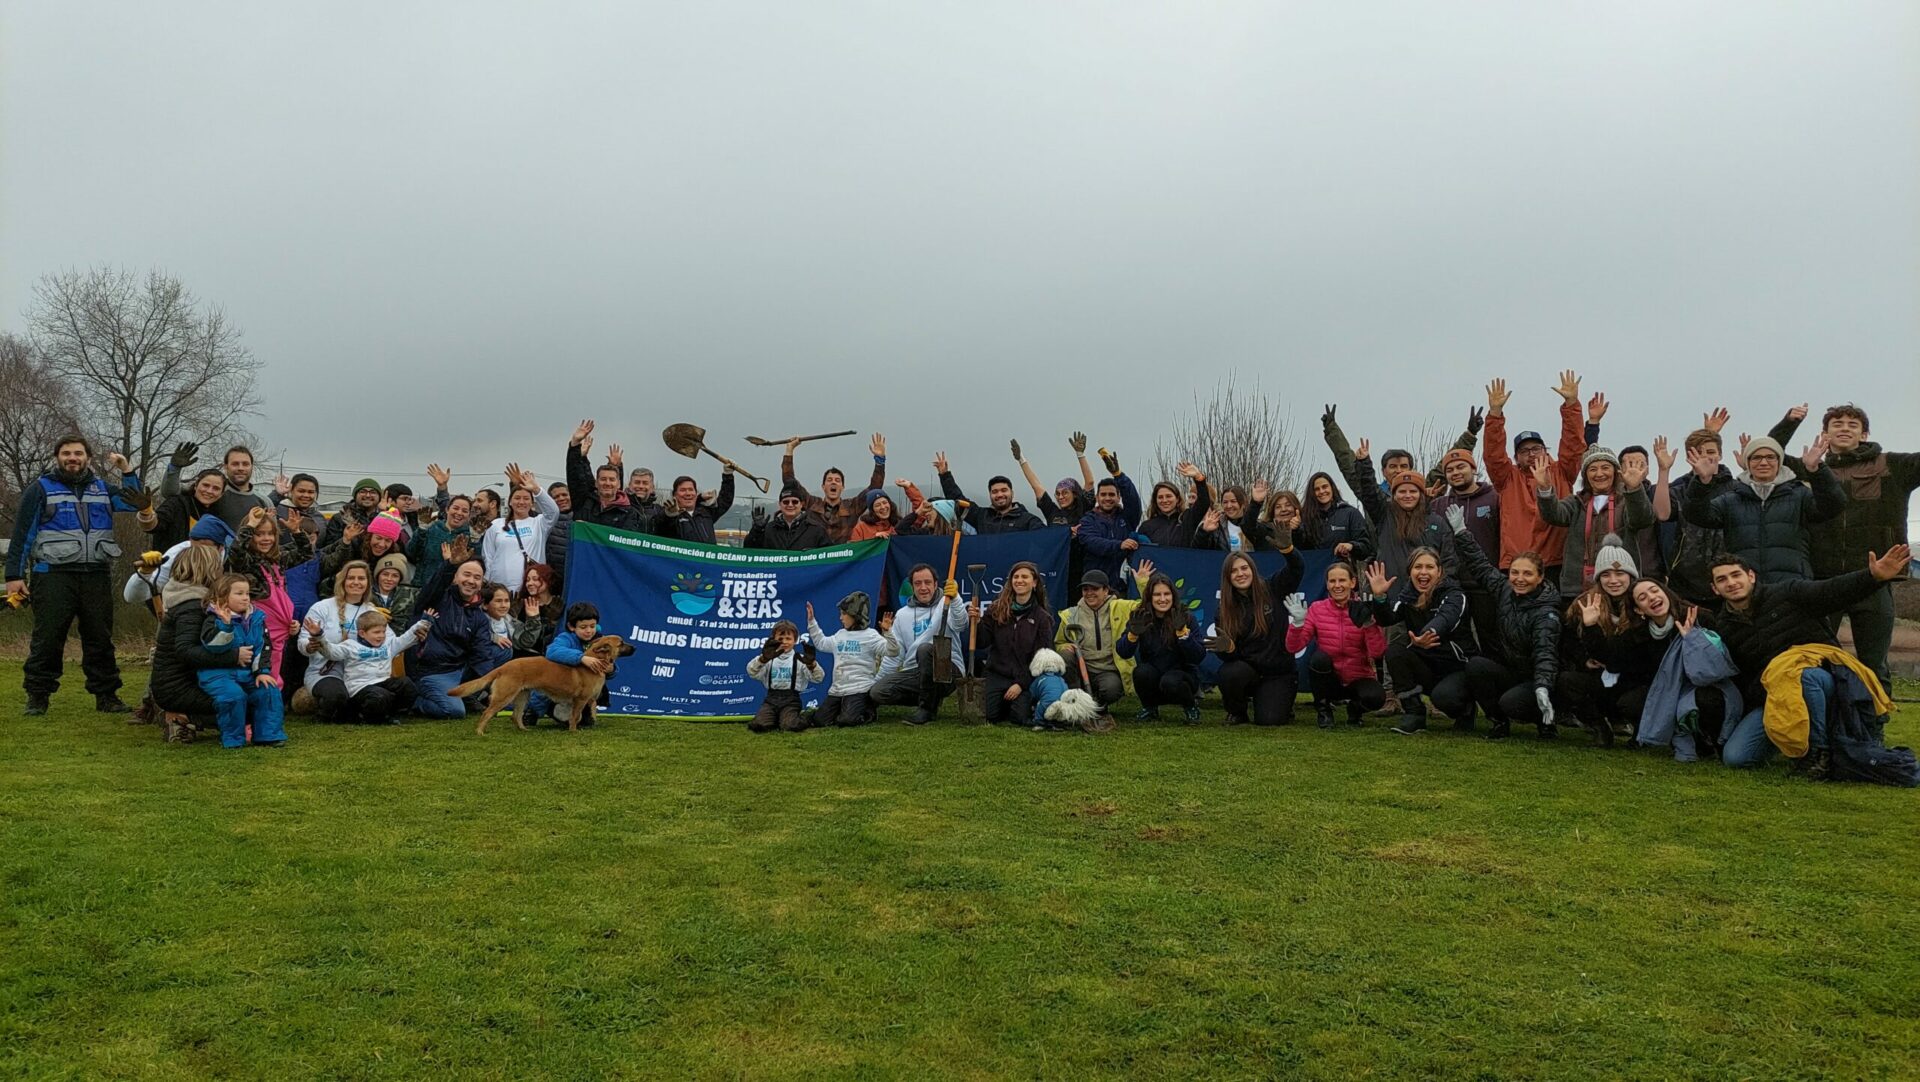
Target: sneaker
<point>110,704</point>
<point>1145,714</point>
<point>1323,715</point>
<point>36,706</point>
<point>918,717</point>
<point>1193,714</point>
<point>1411,723</point>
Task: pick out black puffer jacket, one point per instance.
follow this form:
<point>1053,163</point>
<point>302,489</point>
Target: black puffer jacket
<point>1180,530</point>
<point>1268,653</point>
<point>1529,623</point>
<point>1793,613</point>
<point>178,655</point>
<point>1444,614</point>
<point>1010,646</point>
<point>780,535</point>
<point>1770,534</point>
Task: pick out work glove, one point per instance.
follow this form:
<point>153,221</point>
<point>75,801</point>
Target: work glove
<point>138,499</point>
<point>1476,419</point>
<point>1326,416</point>
<point>1078,441</point>
<point>1112,461</point>
<point>1297,609</point>
<point>1544,699</point>
<point>769,651</point>
<point>183,455</point>
<point>1456,518</point>
<point>808,654</point>
<point>953,589</point>
<point>1015,444</point>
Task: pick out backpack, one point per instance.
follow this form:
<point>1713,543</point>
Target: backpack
<point>1853,738</point>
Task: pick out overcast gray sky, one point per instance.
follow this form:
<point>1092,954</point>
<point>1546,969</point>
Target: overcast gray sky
<point>450,230</point>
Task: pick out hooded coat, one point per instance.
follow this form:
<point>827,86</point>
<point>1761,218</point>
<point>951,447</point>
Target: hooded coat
<point>1529,623</point>
<point>1770,533</point>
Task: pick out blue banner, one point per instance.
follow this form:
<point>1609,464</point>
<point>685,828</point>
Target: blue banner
<point>993,554</point>
<point>1196,576</point>
<point>696,614</point>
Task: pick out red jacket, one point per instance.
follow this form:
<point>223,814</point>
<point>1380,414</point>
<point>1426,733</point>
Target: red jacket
<point>1521,527</point>
<point>1352,649</point>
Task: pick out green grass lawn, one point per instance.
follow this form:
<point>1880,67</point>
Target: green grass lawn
<point>680,899</point>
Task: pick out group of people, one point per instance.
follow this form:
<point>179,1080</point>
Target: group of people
<point>1696,607</point>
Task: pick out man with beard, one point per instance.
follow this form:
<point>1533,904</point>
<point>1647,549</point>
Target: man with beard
<point>1001,515</point>
<point>1879,484</point>
<point>838,514</point>
<point>64,532</point>
<point>240,496</point>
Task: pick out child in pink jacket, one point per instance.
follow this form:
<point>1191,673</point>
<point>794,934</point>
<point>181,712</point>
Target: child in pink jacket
<point>1340,666</point>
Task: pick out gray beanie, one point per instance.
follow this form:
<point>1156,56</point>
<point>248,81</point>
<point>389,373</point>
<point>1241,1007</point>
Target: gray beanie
<point>1613,556</point>
<point>1767,443</point>
<point>1598,454</point>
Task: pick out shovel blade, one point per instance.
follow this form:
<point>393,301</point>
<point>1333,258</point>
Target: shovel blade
<point>685,439</point>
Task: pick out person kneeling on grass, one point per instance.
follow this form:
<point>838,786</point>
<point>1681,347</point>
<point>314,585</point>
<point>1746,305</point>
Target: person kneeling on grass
<point>857,652</point>
<point>1164,646</point>
<point>242,689</point>
<point>1344,640</point>
<point>569,647</point>
<point>786,672</point>
<point>1012,630</point>
<point>374,695</point>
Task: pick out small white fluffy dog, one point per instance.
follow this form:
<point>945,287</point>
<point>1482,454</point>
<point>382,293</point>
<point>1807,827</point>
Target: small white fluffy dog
<point>1053,700</point>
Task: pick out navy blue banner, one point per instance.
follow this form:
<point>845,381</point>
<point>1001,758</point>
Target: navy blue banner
<point>1196,575</point>
<point>997,552</point>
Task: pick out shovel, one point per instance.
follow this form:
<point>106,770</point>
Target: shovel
<point>942,642</point>
<point>970,687</point>
<point>690,440</point>
<point>761,441</point>
<point>1102,722</point>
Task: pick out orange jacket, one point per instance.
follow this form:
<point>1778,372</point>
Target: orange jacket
<point>1521,527</point>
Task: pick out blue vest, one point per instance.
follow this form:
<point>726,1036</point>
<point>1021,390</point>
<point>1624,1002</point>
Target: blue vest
<point>74,528</point>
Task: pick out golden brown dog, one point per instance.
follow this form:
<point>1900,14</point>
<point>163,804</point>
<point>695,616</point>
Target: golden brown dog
<point>572,684</point>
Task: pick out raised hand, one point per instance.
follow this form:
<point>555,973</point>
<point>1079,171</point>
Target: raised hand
<point>939,462</point>
<point>877,446</point>
<point>1143,572</point>
<point>118,461</point>
<point>793,445</point>
<point>1327,412</point>
<point>460,549</point>
<point>1111,460</point>
<point>1892,565</point>
<point>1715,419</point>
<point>1297,609</point>
<point>1015,446</point>
<point>885,622</point>
<point>1702,466</point>
<point>1543,475</point>
<point>1632,477</point>
<point>1364,451</point>
<point>1811,455</point>
<point>1740,456</point>
<point>1210,521</point>
<point>1476,420</point>
<point>183,455</point>
<point>532,605</point>
<point>1456,518</point>
<point>139,499</point>
<point>1259,490</point>
<point>513,474</point>
<point>1662,454</point>
<point>616,458</point>
<point>581,431</point>
<point>1596,407</point>
<point>1189,471</point>
<point>1592,608</point>
<point>282,484</point>
<point>1686,625</point>
<point>353,530</point>
<point>1797,413</point>
<point>440,474</point>
<point>311,625</point>
<point>586,448</point>
<point>1377,579</point>
<point>1569,387</point>
<point>1497,395</point>
<point>1078,441</point>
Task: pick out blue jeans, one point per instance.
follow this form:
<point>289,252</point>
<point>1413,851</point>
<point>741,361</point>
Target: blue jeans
<point>237,700</point>
<point>1748,745</point>
<point>434,702</point>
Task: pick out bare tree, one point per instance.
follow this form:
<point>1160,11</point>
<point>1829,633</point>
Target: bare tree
<point>1429,442</point>
<point>36,408</point>
<point>148,366</point>
<point>1237,436</point>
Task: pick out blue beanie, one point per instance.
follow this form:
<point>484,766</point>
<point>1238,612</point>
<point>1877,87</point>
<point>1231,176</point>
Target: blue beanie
<point>212,528</point>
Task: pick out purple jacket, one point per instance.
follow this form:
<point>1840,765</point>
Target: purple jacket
<point>1482,506</point>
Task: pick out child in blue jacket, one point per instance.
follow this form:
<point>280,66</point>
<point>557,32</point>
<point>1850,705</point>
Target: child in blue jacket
<point>569,647</point>
<point>240,683</point>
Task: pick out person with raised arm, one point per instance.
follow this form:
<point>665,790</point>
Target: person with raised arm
<point>1521,527</point>
<point>1001,513</point>
<point>1513,679</point>
<point>836,510</point>
<point>1765,516</point>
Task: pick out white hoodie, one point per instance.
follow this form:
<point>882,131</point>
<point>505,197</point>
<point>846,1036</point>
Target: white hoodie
<point>334,627</point>
<point>856,656</point>
<point>362,665</point>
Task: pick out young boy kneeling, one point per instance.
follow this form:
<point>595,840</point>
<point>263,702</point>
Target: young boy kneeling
<point>786,673</point>
<point>856,650</point>
<point>374,694</point>
<point>569,647</point>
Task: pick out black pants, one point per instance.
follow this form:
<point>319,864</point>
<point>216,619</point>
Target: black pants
<point>293,668</point>
<point>1502,694</point>
<point>1711,702</point>
<point>1265,697</point>
<point>995,706</point>
<point>1583,693</point>
<point>844,710</point>
<point>912,687</point>
<point>1106,687</point>
<point>59,599</point>
<point>1441,676</point>
<point>331,701</point>
<point>1327,687</point>
<point>1484,612</point>
<point>782,710</point>
<point>1173,687</point>
<point>378,702</point>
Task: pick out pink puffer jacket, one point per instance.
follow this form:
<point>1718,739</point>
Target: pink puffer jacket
<point>1353,649</point>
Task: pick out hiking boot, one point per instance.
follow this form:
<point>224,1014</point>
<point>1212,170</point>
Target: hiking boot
<point>920,716</point>
<point>1146,714</point>
<point>1549,731</point>
<point>1323,715</point>
<point>1355,713</point>
<point>1814,765</point>
<point>111,704</point>
<point>146,713</point>
<point>1500,731</point>
<point>1192,714</point>
<point>1391,707</point>
<point>1411,723</point>
<point>36,706</point>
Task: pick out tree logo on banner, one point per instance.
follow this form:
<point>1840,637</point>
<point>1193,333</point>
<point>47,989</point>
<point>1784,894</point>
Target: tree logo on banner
<point>692,594</point>
<point>1180,590</point>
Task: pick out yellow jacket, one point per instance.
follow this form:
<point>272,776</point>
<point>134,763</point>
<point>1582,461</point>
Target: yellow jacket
<point>1117,611</point>
<point>1786,711</point>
